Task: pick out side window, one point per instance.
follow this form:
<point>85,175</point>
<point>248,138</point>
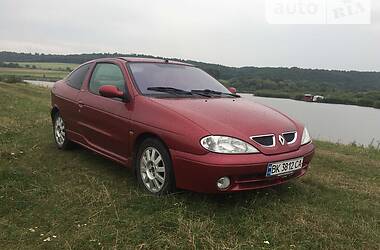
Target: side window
<point>76,78</point>
<point>106,74</point>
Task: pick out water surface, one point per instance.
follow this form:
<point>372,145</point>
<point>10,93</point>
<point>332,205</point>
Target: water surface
<point>40,83</point>
<point>331,122</point>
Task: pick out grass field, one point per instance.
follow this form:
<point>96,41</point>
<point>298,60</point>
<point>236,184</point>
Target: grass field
<point>49,65</point>
<point>76,199</point>
<point>33,74</point>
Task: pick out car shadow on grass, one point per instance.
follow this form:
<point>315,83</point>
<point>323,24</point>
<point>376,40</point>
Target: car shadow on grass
<point>111,171</point>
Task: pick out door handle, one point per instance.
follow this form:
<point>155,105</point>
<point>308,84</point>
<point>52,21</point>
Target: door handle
<point>80,104</point>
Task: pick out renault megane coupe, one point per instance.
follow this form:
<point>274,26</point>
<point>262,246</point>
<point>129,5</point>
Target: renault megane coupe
<point>176,126</point>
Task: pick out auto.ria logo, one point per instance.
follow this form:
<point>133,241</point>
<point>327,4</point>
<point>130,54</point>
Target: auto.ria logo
<point>318,11</point>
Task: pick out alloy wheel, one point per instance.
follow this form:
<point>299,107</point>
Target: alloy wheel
<point>152,169</point>
<point>59,131</point>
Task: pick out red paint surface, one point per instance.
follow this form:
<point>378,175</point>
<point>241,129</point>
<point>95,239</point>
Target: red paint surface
<point>111,127</point>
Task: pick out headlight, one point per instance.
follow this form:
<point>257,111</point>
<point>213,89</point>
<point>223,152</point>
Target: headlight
<point>227,145</point>
<point>305,137</point>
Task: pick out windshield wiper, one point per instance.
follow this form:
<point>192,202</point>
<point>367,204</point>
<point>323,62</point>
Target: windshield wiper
<point>212,92</point>
<point>170,90</point>
<point>176,91</point>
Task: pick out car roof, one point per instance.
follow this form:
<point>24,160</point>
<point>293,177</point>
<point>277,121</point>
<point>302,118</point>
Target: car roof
<point>152,60</point>
<point>136,59</point>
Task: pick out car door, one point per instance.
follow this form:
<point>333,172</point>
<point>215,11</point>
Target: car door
<point>67,100</point>
<point>105,121</point>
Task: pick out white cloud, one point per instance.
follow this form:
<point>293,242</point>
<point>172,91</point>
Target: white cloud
<point>220,31</point>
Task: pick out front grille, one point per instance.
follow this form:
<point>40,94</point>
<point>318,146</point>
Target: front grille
<point>264,140</point>
<point>290,137</point>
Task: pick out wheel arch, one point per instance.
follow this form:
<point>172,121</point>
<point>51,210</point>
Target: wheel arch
<point>139,140</point>
<point>53,112</point>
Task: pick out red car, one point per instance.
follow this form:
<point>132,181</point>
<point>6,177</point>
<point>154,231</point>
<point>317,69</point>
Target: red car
<point>176,126</point>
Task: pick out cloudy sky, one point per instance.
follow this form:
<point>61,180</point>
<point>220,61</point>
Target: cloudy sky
<point>230,32</point>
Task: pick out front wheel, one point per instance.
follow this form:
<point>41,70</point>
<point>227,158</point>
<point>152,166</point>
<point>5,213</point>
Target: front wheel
<point>60,135</point>
<point>154,167</point>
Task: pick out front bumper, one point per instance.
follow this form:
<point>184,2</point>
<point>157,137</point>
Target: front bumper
<point>199,173</point>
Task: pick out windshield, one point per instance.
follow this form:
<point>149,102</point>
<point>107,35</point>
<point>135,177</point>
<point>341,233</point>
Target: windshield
<point>150,75</point>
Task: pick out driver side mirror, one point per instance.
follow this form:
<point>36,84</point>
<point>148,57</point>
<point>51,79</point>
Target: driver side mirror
<point>232,90</point>
<point>111,91</point>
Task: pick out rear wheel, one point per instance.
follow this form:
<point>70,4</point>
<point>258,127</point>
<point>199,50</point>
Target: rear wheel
<point>60,135</point>
<point>154,167</point>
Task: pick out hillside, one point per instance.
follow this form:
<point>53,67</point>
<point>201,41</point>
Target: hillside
<point>346,87</point>
<point>52,199</point>
<point>349,80</point>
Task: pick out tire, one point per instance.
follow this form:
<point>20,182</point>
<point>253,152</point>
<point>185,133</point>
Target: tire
<point>59,133</point>
<point>154,167</point>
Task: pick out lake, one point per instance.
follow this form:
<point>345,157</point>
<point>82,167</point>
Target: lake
<point>329,122</point>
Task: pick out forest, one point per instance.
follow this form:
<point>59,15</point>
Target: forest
<point>343,87</point>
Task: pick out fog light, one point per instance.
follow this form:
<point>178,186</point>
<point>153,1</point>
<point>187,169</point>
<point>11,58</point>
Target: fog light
<point>223,183</point>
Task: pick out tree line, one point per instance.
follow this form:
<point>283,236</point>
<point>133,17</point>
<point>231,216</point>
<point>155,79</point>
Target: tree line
<point>346,87</point>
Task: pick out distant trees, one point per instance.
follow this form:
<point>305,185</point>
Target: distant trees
<point>252,78</point>
<point>348,87</point>
<point>213,72</point>
<point>376,104</point>
<point>9,65</point>
<point>10,79</point>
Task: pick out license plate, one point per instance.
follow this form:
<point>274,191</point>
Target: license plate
<point>284,167</point>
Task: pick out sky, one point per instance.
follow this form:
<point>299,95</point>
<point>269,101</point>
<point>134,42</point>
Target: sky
<point>228,32</point>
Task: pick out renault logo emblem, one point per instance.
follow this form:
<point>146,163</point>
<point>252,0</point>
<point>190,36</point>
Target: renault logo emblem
<point>281,140</point>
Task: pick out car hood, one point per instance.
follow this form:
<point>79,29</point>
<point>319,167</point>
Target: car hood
<point>236,117</point>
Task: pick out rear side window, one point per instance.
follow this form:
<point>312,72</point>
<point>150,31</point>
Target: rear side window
<point>106,74</point>
<point>76,78</point>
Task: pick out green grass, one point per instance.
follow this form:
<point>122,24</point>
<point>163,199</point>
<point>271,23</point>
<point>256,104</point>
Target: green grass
<point>89,202</point>
<point>49,65</point>
<point>32,74</point>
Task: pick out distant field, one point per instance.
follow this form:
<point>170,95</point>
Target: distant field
<point>32,74</point>
<point>49,65</point>
<point>51,199</point>
<point>338,87</point>
<point>37,71</point>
